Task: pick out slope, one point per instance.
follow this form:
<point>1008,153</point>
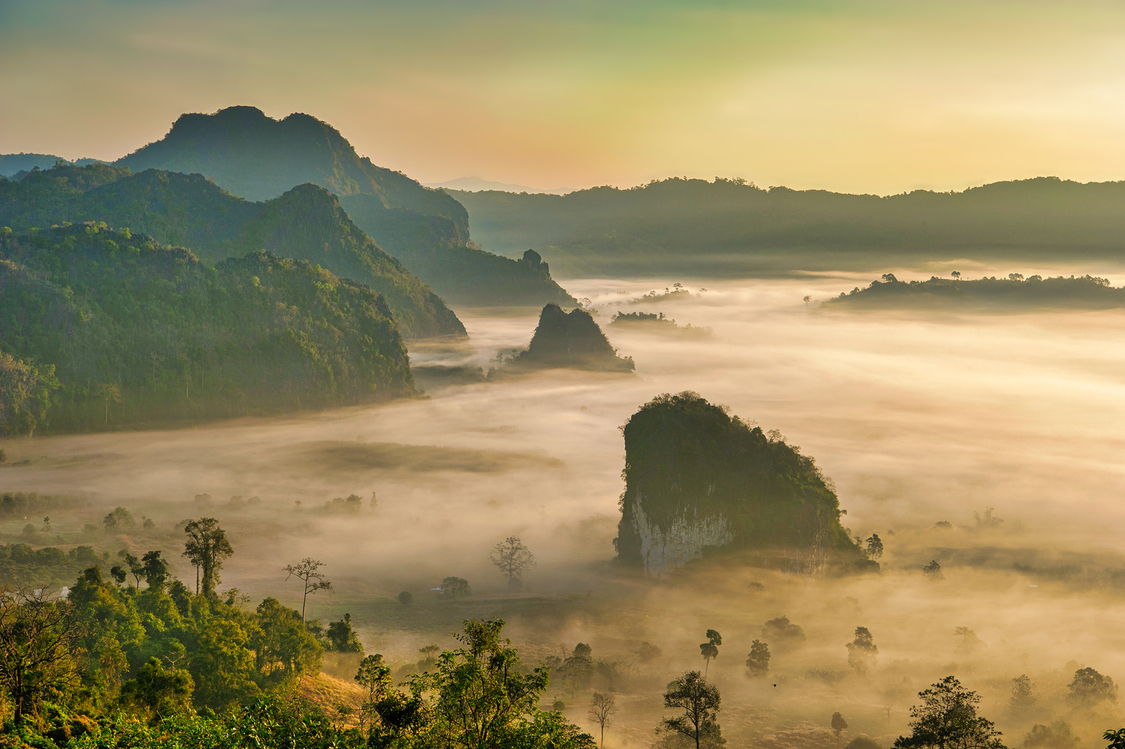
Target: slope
<point>259,158</point>
<point>191,211</point>
<point>137,332</point>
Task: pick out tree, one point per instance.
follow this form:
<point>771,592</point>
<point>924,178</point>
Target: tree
<point>947,719</point>
<point>1023,696</point>
<point>956,275</point>
<point>308,573</point>
<point>648,652</point>
<point>119,520</point>
<point>1058,735</point>
<point>602,711</point>
<point>700,702</point>
<point>513,559</point>
<point>342,637</point>
<point>710,649</point>
<point>37,636</point>
<point>933,570</point>
<point>1089,688</point>
<point>874,546</point>
<point>155,570</point>
<point>109,393</point>
<point>862,651</point>
<point>969,640</point>
<point>159,691</point>
<point>136,569</point>
<point>406,598</point>
<point>839,725</point>
<point>1116,738</point>
<point>758,661</point>
<point>455,587</point>
<point>206,548</point>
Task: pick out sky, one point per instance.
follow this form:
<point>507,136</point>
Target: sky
<point>875,96</point>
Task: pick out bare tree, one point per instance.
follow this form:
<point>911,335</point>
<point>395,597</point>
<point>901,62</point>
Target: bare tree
<point>36,641</point>
<point>513,558</point>
<point>602,711</point>
<point>308,573</point>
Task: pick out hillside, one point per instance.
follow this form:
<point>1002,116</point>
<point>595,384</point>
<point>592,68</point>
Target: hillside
<point>14,163</point>
<point>730,227</point>
<point>1014,293</point>
<point>568,341</point>
<point>697,479</point>
<point>258,158</point>
<point>188,210</point>
<point>126,331</point>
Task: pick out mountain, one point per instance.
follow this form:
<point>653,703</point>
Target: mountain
<point>307,223</point>
<point>12,164</point>
<point>259,158</point>
<point>728,227</point>
<point>568,341</point>
<point>698,480</point>
<point>129,331</point>
<point>476,184</point>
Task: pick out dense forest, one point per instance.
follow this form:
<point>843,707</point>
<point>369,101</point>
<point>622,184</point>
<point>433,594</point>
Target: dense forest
<point>1011,293</point>
<point>306,223</point>
<point>731,226</point>
<point>697,478</point>
<point>258,158</point>
<point>102,329</point>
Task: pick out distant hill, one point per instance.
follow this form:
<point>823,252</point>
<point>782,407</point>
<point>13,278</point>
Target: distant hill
<point>124,331</point>
<point>307,223</point>
<point>13,163</point>
<point>258,158</point>
<point>568,341</point>
<point>1014,293</point>
<point>725,227</point>
<point>699,480</point>
<point>476,184</point>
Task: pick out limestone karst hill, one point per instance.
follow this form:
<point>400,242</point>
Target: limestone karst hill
<point>698,479</point>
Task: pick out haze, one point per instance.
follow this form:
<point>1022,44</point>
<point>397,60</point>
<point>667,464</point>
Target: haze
<point>917,419</point>
<point>873,96</point>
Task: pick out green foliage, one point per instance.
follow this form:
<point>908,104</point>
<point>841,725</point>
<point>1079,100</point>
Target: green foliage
<point>342,637</point>
<point>948,717</point>
<point>455,587</point>
<point>125,317</point>
<point>159,691</point>
<point>684,455</point>
<point>206,548</point>
<point>26,391</point>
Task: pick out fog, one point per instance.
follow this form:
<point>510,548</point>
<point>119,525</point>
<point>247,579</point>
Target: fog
<point>917,418</point>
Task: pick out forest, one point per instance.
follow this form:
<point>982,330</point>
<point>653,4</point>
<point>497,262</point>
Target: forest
<point>105,328</point>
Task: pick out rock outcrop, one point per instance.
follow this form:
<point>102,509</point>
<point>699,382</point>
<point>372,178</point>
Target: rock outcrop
<point>569,341</point>
<point>697,479</point>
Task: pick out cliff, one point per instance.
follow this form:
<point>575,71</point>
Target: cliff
<point>698,479</point>
<point>569,341</point>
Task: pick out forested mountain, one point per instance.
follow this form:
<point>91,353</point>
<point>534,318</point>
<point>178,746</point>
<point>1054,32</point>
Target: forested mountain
<point>14,163</point>
<point>259,158</point>
<point>129,332</point>
<point>729,226</point>
<point>697,478</point>
<point>1014,293</point>
<point>307,223</point>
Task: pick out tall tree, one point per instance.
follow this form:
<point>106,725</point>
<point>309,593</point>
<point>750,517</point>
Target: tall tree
<point>862,651</point>
<point>155,569</point>
<point>947,719</point>
<point>710,649</point>
<point>513,559</point>
<point>308,573</point>
<point>206,548</point>
<point>700,702</point>
<point>37,633</point>
<point>602,711</point>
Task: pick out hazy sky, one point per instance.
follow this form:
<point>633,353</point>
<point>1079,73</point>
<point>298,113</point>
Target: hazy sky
<point>879,95</point>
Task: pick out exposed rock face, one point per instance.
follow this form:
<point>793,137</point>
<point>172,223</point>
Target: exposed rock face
<point>570,341</point>
<point>698,479</point>
<point>663,551</point>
